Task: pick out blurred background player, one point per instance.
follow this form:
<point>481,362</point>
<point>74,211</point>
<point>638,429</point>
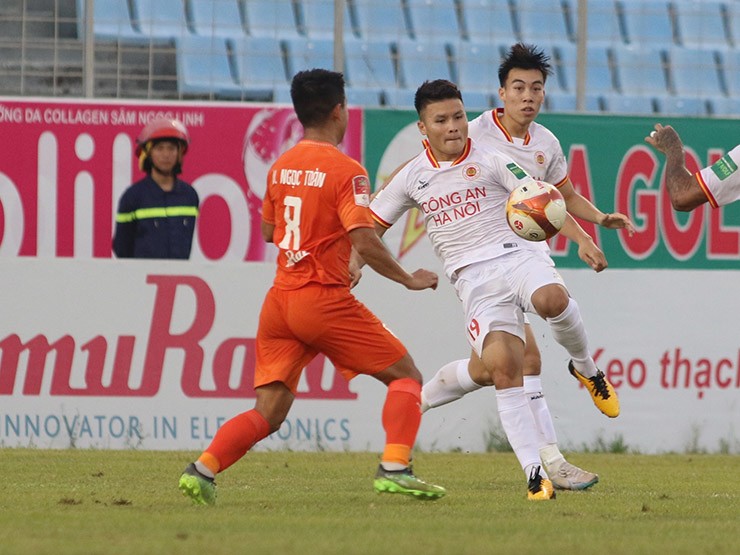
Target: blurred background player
<point>156,215</point>
<point>316,210</point>
<point>462,191</point>
<point>718,184</point>
<point>512,131</point>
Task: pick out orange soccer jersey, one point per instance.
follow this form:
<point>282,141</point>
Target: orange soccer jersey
<point>315,195</point>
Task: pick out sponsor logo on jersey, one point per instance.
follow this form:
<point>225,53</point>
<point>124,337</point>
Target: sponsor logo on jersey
<point>516,170</point>
<point>422,185</point>
<point>361,186</point>
<point>724,167</point>
<point>471,172</point>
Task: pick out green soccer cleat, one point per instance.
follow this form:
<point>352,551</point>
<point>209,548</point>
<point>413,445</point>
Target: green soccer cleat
<point>404,481</point>
<point>602,392</point>
<point>539,488</point>
<point>200,489</point>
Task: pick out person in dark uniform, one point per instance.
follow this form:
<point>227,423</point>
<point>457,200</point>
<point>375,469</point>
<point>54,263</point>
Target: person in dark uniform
<point>156,215</point>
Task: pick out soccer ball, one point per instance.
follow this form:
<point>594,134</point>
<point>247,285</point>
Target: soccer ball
<point>536,211</point>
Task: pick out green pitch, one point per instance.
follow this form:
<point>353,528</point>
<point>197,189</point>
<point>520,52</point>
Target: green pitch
<point>102,502</point>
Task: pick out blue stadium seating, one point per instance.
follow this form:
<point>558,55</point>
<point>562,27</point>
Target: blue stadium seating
<point>477,101</point>
<point>647,22</point>
<point>477,66</point>
<point>160,18</point>
<point>303,53</point>
<point>434,20</point>
<point>381,19</point>
<point>683,106</point>
<point>599,77</point>
<point>203,67</point>
<point>318,19</point>
<point>422,61</point>
<point>270,18</point>
<point>602,22</point>
<point>111,20</point>
<point>259,65</point>
<point>543,21</point>
<point>220,18</point>
<point>369,65</point>
<point>723,107</point>
<point>567,102</point>
<point>731,64</point>
<point>701,24</point>
<point>641,71</point>
<point>625,104</point>
<point>695,72</point>
<point>488,20</point>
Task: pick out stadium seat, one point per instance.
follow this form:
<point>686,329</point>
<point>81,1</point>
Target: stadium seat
<point>422,61</point>
<point>488,20</point>
<point>160,18</point>
<point>647,22</point>
<point>701,24</point>
<point>270,18</point>
<point>477,66</point>
<point>381,19</point>
<point>543,20</point>
<point>567,102</point>
<point>731,64</point>
<point>733,22</point>
<point>111,20</point>
<point>725,107</point>
<point>476,101</point>
<point>683,106</point>
<point>401,98</point>
<point>602,22</point>
<point>641,71</point>
<point>599,75</point>
<point>259,65</point>
<point>695,72</point>
<point>203,67</point>
<point>221,18</point>
<point>368,98</point>
<point>303,53</point>
<point>369,65</point>
<point>625,104</point>
<point>318,19</point>
<point>434,20</point>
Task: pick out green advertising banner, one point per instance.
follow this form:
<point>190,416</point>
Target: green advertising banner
<point>611,165</point>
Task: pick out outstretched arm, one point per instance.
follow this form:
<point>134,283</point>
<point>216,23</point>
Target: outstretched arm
<point>683,188</point>
<point>580,206</point>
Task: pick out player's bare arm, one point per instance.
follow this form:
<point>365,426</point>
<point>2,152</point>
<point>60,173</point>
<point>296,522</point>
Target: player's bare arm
<point>581,207</point>
<point>588,251</point>
<point>683,188</point>
<point>372,250</point>
<point>267,231</point>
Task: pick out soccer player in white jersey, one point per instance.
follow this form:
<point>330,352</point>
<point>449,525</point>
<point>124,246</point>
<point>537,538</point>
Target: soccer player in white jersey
<point>462,191</point>
<point>512,131</point>
<point>718,184</point>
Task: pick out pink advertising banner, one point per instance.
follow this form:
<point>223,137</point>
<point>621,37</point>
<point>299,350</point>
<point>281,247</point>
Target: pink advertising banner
<point>65,164</point>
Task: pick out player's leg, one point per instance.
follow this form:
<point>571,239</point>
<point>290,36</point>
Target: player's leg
<point>357,342</point>
<point>453,381</point>
<point>543,291</point>
<point>503,355</point>
<point>562,474</point>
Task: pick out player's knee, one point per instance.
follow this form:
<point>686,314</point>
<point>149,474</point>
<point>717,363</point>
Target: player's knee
<point>551,302</point>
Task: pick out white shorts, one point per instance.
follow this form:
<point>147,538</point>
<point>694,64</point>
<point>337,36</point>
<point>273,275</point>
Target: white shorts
<point>496,293</point>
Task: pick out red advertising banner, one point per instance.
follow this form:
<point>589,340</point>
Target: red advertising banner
<point>65,164</point>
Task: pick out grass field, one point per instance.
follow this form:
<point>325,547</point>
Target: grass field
<point>101,502</point>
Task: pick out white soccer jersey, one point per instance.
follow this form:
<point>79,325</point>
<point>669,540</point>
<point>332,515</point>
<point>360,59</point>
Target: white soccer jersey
<point>540,153</point>
<point>721,181</point>
<point>463,204</point>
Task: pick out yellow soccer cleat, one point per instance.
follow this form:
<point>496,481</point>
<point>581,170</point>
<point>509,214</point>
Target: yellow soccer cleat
<point>539,488</point>
<point>602,392</point>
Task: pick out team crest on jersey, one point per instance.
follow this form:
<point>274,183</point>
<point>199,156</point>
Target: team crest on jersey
<point>471,171</point>
<point>361,186</point>
<point>539,157</point>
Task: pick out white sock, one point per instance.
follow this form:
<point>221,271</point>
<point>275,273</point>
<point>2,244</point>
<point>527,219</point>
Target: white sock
<point>550,455</point>
<point>450,383</point>
<point>203,469</point>
<point>540,411</point>
<point>520,428</point>
<point>568,330</point>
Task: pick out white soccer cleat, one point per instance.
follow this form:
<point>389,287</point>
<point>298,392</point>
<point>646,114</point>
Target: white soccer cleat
<point>564,475</point>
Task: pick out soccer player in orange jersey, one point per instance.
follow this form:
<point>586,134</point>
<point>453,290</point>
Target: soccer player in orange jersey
<point>316,209</point>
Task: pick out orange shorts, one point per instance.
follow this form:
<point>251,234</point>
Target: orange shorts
<point>296,325</point>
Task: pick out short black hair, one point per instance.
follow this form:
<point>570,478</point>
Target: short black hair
<point>524,56</point>
<point>434,91</point>
<point>315,93</point>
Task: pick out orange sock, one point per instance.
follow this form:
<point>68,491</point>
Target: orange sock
<point>234,439</point>
<point>401,419</point>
